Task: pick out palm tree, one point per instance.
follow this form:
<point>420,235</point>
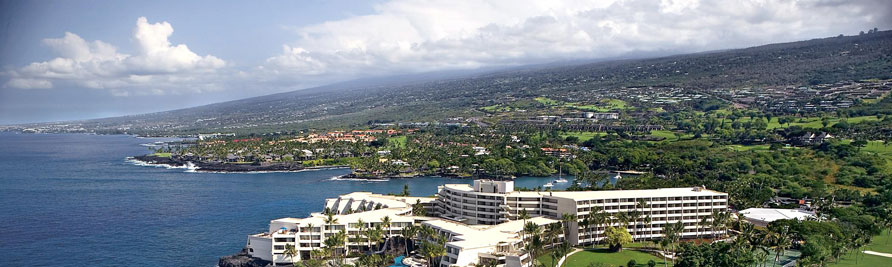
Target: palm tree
<point>310,225</point>
<point>361,226</point>
<point>585,223</point>
<point>523,215</point>
<point>704,222</point>
<point>552,232</point>
<point>387,223</point>
<point>534,246</point>
<point>599,218</point>
<point>409,233</point>
<point>719,221</point>
<point>290,252</point>
<point>639,210</point>
<point>647,221</point>
<point>671,235</point>
<point>781,242</point>
<point>373,235</point>
<point>330,220</point>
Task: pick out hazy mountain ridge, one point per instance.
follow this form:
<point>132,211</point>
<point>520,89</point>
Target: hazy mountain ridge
<point>349,104</point>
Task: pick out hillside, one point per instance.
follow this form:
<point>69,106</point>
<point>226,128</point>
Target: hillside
<point>349,105</point>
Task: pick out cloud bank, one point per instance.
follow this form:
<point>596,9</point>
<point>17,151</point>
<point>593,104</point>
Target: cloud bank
<point>407,36</point>
<point>157,67</point>
<point>414,36</point>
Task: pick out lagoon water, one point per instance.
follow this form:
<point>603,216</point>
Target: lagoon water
<point>73,200</point>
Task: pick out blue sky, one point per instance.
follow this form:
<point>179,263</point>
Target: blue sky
<point>64,60</point>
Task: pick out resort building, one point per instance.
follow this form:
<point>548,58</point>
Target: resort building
<point>494,202</point>
<point>481,224</point>
<point>763,216</point>
<point>474,245</point>
<point>308,234</point>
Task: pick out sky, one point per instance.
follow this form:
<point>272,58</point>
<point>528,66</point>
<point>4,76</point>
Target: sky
<point>79,59</point>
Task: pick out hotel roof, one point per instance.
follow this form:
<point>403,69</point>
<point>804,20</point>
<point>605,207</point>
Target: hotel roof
<point>770,215</point>
<point>477,236</point>
<point>604,194</point>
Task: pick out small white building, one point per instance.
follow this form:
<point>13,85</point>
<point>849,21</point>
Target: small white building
<point>762,216</point>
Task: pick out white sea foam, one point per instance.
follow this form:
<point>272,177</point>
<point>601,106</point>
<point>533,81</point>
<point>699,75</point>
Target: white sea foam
<point>137,162</point>
<point>342,178</point>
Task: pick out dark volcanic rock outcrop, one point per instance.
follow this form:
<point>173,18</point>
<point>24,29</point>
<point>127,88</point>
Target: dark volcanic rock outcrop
<point>179,161</point>
<point>241,259</point>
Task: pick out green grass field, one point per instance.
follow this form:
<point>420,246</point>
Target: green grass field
<point>399,141</point>
<point>546,101</point>
<point>583,136</point>
<point>881,243</point>
<point>601,255</point>
<point>878,147</point>
<point>604,106</point>
<point>669,135</point>
<point>749,148</point>
<point>496,108</point>
<point>163,155</point>
<point>813,122</point>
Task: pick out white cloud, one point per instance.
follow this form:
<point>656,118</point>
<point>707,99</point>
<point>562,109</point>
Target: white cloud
<point>29,83</point>
<point>415,36</point>
<point>156,67</point>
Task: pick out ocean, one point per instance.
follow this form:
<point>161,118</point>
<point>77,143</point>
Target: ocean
<point>74,200</point>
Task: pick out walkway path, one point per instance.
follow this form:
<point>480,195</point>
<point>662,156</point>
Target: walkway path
<point>561,262</point>
<point>887,255</point>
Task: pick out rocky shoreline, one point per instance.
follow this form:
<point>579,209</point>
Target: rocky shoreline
<point>241,259</point>
<point>203,166</point>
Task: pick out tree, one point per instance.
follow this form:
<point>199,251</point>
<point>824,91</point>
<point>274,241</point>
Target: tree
<point>330,220</point>
<point>290,252</point>
<point>523,215</point>
<point>651,263</point>
<point>584,223</point>
<point>418,209</point>
<point>552,232</point>
<point>387,223</point>
<point>599,218</point>
<point>781,242</point>
<point>671,236</point>
<point>815,250</point>
<point>405,192</point>
<point>409,233</point>
<point>617,237</point>
<point>359,232</point>
<point>431,251</point>
<point>373,235</point>
<point>632,263</point>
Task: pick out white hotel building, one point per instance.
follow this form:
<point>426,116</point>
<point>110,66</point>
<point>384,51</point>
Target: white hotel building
<point>480,220</point>
<point>494,202</point>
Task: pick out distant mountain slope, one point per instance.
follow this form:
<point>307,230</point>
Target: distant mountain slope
<point>349,104</point>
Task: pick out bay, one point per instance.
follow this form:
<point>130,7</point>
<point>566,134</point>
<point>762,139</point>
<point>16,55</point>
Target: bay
<point>73,200</point>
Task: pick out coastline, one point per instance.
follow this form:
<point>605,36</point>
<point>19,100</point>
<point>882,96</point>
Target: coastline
<point>192,165</point>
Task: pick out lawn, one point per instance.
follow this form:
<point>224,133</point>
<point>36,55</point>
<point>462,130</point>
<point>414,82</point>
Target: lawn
<point>604,105</point>
<point>399,141</point>
<point>605,256</point>
<point>583,136</point>
<point>878,147</point>
<point>812,122</point>
<point>496,108</point>
<point>749,148</point>
<point>669,135</point>
<point>163,155</point>
<point>546,101</point>
<point>880,243</point>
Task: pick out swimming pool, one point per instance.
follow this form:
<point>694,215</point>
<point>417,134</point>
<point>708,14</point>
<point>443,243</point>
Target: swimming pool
<point>398,262</point>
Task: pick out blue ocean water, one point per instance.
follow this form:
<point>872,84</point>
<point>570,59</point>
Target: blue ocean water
<point>73,200</point>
